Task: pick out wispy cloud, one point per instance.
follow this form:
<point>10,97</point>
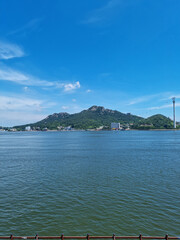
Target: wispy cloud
<point>163,106</point>
<point>8,74</point>
<point>26,89</point>
<point>88,90</point>
<point>13,76</point>
<point>175,95</point>
<point>12,118</point>
<point>159,97</point>
<point>32,25</point>
<point>72,108</point>
<point>20,103</point>
<point>142,99</point>
<point>19,109</point>
<point>98,15</point>
<point>64,107</point>
<point>9,50</point>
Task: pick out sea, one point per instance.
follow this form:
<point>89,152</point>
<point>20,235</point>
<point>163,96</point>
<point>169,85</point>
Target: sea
<point>100,183</point>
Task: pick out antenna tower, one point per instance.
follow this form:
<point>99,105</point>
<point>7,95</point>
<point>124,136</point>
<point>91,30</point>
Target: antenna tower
<point>174,113</point>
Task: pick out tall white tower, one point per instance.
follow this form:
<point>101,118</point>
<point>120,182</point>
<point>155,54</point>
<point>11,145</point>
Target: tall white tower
<point>174,113</point>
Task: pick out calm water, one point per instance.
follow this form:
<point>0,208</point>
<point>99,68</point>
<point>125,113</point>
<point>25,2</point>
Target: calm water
<point>90,182</point>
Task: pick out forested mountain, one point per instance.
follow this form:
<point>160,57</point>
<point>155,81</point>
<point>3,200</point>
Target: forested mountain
<point>93,117</point>
<point>97,116</point>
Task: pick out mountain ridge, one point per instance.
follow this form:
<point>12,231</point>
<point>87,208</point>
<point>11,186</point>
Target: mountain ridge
<point>97,116</point>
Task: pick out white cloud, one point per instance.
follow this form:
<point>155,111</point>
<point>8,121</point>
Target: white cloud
<point>139,100</point>
<point>13,76</point>
<point>18,109</point>
<point>8,51</point>
<point>26,89</point>
<point>8,74</point>
<point>23,103</point>
<point>145,98</point>
<point>12,118</point>
<point>163,106</point>
<point>64,107</point>
<point>20,103</point>
<point>172,96</point>
<point>71,86</point>
<point>89,90</point>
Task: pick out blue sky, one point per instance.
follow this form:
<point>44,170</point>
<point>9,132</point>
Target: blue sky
<point>65,56</point>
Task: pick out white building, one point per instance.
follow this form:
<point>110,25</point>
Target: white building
<point>115,126</point>
<point>28,128</point>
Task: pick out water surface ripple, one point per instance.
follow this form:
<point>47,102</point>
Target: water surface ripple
<point>90,182</point>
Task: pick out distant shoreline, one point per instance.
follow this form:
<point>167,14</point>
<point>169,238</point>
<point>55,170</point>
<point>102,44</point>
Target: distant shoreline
<point>93,130</point>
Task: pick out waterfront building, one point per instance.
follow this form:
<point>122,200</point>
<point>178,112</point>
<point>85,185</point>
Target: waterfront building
<point>28,128</point>
<point>115,125</point>
<point>12,129</point>
<point>68,128</point>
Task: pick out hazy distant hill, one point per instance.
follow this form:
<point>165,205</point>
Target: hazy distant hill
<point>93,117</point>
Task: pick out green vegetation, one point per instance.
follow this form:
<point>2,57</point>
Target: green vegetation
<point>91,118</point>
<point>154,122</point>
<point>96,116</point>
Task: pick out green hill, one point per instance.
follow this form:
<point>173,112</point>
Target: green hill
<point>93,117</point>
<point>97,116</point>
<point>157,121</point>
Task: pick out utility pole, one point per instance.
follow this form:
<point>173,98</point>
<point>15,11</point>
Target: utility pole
<point>174,113</point>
